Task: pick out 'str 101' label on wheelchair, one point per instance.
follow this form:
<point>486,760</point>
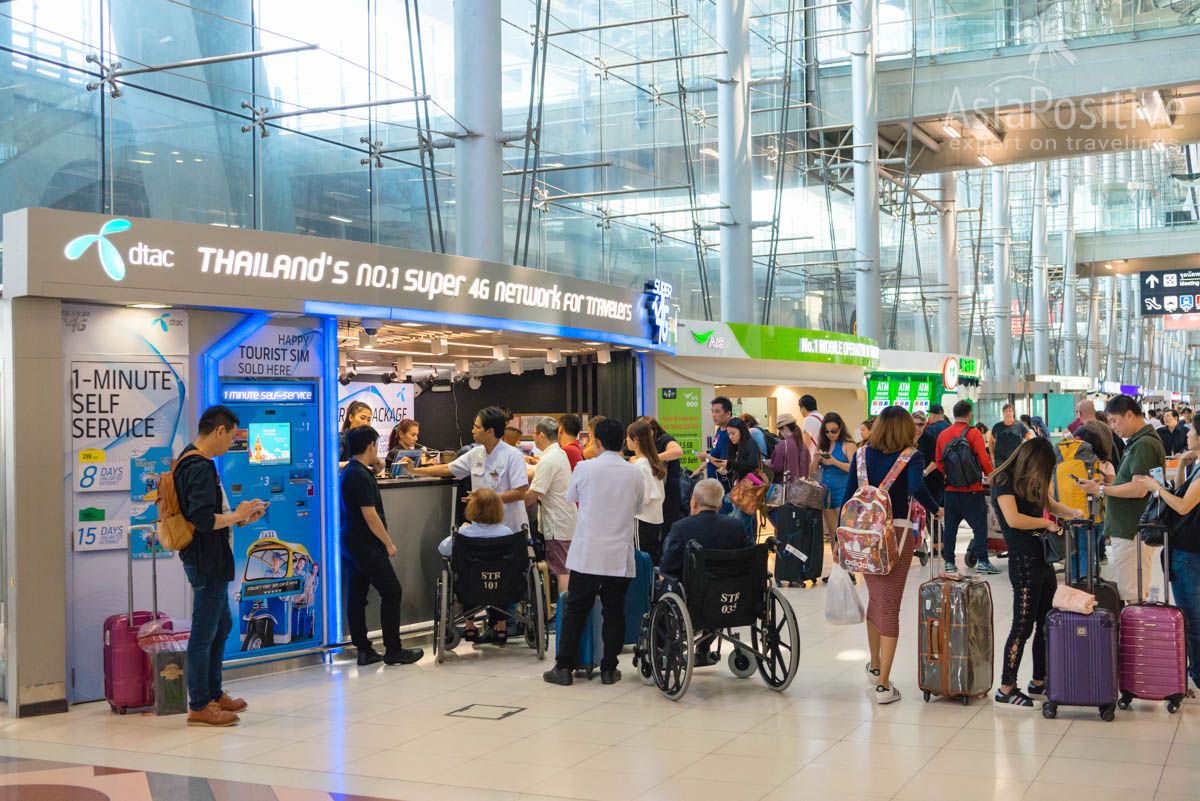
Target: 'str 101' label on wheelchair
<point>490,579</point>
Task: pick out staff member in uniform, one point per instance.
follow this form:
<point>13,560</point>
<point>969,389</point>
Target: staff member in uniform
<point>367,549</point>
<point>358,414</point>
<point>493,464</point>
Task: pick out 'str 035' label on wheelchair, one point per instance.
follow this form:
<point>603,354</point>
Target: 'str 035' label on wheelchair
<point>729,602</point>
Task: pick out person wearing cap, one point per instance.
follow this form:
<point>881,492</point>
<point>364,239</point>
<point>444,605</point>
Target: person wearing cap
<point>790,455</point>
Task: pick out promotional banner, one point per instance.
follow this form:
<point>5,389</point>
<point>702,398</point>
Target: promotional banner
<point>275,352</point>
<point>747,341</point>
<point>70,254</point>
<point>390,403</point>
<point>679,414</point>
<point>914,392</point>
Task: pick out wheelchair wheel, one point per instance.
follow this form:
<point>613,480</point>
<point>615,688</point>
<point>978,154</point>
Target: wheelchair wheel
<point>443,623</point>
<point>741,663</point>
<point>537,634</point>
<point>641,652</point>
<point>671,657</point>
<point>777,637</point>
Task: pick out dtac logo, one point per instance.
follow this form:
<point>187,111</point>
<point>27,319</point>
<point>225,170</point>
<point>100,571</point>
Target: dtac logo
<point>111,260</point>
<point>110,257</point>
<point>161,321</point>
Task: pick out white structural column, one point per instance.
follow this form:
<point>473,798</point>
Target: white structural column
<point>1040,312</point>
<point>1093,328</point>
<point>868,295</point>
<point>1110,335</point>
<point>479,167</point>
<point>1126,321</point>
<point>949,339</point>
<point>734,166</point>
<point>1070,345</point>
<point>1002,356</point>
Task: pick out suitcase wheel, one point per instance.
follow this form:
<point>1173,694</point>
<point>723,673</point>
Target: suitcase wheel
<point>1108,713</point>
<point>1049,710</point>
<point>1126,701</point>
<point>965,700</point>
<point>1173,705</point>
<point>926,695</point>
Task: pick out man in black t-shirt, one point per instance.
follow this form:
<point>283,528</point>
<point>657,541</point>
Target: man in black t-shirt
<point>208,564</point>
<point>1007,435</point>
<point>367,549</point>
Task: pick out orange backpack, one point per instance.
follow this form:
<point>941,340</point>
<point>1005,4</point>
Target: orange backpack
<point>174,531</point>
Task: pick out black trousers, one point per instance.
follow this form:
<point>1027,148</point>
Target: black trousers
<point>366,569</point>
<point>581,596</point>
<point>650,537</point>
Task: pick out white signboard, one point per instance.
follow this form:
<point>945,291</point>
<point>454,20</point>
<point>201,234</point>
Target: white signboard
<point>276,352</point>
<point>390,403</point>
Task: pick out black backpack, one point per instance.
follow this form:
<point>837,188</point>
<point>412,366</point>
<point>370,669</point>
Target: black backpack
<point>772,441</point>
<point>959,463</point>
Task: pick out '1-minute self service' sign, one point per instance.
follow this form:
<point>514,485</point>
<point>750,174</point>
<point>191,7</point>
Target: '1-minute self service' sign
<point>1170,292</point>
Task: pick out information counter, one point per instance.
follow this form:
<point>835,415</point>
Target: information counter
<point>420,512</point>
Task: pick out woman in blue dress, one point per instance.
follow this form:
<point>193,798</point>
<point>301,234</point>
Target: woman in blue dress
<point>835,449</point>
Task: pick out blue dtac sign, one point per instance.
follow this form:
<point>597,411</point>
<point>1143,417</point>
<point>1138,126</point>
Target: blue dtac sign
<point>267,393</point>
<point>658,302</point>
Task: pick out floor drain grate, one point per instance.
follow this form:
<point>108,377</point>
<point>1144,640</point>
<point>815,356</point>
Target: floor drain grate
<point>485,712</point>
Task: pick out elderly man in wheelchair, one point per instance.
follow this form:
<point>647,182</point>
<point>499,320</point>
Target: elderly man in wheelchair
<point>503,576</point>
<point>724,586</point>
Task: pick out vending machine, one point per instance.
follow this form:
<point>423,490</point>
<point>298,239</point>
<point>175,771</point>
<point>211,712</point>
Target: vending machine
<point>277,559</point>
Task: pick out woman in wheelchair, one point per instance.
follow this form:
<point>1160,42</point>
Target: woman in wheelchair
<point>485,513</point>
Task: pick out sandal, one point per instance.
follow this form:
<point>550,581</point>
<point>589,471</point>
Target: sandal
<point>471,634</point>
<point>500,636</point>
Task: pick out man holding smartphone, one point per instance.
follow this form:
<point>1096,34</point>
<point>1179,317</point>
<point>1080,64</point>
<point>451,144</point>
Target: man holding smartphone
<point>1127,498</point>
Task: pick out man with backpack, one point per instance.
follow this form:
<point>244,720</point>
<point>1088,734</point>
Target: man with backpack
<point>208,562</point>
<point>1008,434</point>
<point>963,459</point>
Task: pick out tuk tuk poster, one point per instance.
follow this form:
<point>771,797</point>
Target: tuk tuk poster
<point>276,593</point>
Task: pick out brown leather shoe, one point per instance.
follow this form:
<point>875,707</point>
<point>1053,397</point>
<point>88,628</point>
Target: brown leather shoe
<point>228,704</point>
<point>211,715</point>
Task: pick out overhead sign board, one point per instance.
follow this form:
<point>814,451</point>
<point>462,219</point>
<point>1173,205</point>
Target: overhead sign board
<point>1181,322</point>
<point>1170,292</point>
<point>76,255</point>
<point>747,341</point>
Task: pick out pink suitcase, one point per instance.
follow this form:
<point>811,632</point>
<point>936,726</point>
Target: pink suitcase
<point>1153,650</point>
<point>128,678</point>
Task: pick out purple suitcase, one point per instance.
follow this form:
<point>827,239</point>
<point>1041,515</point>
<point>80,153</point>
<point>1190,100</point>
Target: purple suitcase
<point>1081,657</point>
<point>1153,648</point>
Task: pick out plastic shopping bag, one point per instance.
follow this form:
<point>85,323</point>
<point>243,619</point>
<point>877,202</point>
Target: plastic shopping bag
<point>843,607</point>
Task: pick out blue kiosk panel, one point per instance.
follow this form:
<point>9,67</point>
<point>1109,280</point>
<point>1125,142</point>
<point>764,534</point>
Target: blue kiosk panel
<point>275,457</point>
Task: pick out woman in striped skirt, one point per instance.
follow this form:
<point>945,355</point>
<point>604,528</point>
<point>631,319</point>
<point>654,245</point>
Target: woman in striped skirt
<point>892,434</point>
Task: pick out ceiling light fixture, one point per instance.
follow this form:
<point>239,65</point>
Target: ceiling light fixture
<point>148,306</point>
<point>985,161</point>
<point>951,131</point>
<point>553,355</point>
<point>438,346</point>
<point>603,356</point>
<point>516,367</point>
<point>500,353</point>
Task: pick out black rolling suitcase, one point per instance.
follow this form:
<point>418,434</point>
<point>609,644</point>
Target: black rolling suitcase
<point>801,531</point>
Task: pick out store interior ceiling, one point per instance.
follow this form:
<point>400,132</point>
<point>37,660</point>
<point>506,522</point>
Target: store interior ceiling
<point>424,351</point>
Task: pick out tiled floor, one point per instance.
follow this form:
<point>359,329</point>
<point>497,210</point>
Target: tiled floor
<point>385,733</point>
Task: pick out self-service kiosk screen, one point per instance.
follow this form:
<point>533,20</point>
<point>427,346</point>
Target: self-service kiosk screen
<point>270,443</point>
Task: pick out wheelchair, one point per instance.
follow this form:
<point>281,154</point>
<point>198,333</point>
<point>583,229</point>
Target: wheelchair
<point>720,591</point>
<point>500,574</point>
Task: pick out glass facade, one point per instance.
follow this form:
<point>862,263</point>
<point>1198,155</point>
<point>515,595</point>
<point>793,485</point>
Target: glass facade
<point>329,141</point>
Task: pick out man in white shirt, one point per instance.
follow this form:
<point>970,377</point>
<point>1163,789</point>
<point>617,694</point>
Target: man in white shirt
<point>556,516</point>
<point>493,464</point>
<point>610,492</point>
<point>812,422</point>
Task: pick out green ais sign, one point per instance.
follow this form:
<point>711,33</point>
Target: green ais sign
<point>679,413</point>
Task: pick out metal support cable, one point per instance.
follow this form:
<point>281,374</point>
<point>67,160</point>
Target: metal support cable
<point>424,90</point>
<point>536,133</point>
<point>412,64</point>
<point>535,59</point>
<point>780,164</point>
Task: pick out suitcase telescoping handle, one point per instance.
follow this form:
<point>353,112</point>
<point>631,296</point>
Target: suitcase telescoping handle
<point>1074,527</point>
<point>1138,544</point>
<point>153,529</point>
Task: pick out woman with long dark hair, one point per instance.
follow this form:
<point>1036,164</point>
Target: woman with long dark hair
<point>1021,497</point>
<point>835,449</point>
<point>639,438</point>
<point>743,458</point>
<point>357,414</point>
<point>892,435</point>
<point>670,452</point>
<point>403,440</point>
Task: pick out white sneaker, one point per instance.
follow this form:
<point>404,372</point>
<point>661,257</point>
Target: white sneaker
<point>872,675</point>
<point>886,695</point>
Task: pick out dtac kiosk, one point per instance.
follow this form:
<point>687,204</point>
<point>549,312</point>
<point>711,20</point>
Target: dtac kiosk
<point>275,457</point>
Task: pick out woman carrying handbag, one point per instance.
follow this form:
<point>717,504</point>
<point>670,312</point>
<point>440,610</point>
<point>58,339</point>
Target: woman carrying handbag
<point>742,469</point>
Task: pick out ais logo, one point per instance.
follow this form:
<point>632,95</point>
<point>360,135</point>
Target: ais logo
<point>111,259</point>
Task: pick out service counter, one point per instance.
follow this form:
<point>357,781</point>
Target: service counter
<point>420,513</point>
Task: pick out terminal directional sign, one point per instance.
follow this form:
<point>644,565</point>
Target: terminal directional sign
<point>1170,292</point>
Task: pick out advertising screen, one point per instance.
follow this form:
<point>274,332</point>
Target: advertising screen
<point>270,443</point>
